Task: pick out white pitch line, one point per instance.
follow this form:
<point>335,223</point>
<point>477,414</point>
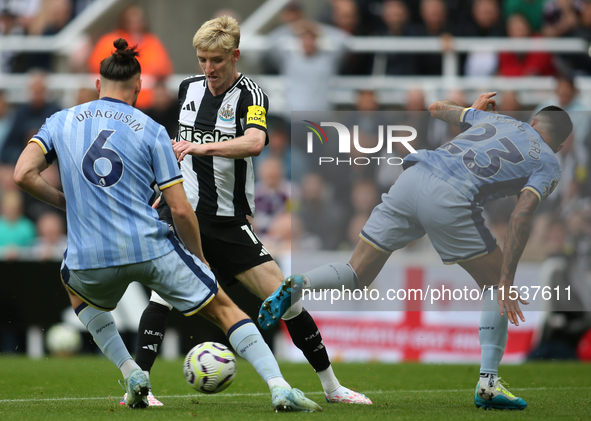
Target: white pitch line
<point>373,392</point>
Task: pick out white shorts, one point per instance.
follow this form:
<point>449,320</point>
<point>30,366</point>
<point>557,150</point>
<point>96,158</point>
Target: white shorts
<point>420,202</point>
<point>179,277</point>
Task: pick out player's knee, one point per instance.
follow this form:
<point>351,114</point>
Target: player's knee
<point>223,311</point>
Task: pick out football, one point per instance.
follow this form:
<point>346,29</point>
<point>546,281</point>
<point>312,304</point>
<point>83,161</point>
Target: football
<point>210,367</point>
<point>63,340</point>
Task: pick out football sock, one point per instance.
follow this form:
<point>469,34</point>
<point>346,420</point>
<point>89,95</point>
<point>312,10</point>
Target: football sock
<point>306,336</point>
<point>329,380</point>
<point>332,276</point>
<point>492,333</point>
<point>487,379</point>
<point>150,334</point>
<point>101,326</point>
<point>127,367</point>
<point>250,345</point>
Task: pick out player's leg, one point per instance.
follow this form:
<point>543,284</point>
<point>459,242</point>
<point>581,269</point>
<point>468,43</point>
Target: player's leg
<point>264,279</point>
<point>188,284</point>
<point>247,341</point>
<point>486,271</point>
<point>101,325</point>
<point>390,227</point>
<point>150,336</point>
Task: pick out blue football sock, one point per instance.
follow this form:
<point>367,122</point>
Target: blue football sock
<point>332,276</point>
<point>101,326</point>
<point>250,345</point>
<point>492,333</point>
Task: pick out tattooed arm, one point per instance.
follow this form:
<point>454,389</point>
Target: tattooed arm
<point>447,111</point>
<point>515,240</point>
<point>451,113</point>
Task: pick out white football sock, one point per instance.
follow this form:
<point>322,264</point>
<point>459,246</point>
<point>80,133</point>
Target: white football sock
<point>329,380</point>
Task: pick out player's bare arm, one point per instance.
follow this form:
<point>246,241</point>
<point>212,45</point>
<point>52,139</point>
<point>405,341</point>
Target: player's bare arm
<point>251,144</point>
<point>516,238</point>
<point>447,111</point>
<point>451,113</point>
<point>184,219</point>
<point>27,175</point>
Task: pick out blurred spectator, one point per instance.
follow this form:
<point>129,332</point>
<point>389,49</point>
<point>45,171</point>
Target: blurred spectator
<point>487,22</point>
<point>531,10</point>
<point>370,16</point>
<point>580,64</point>
<point>574,156</point>
<point>434,24</point>
<point>294,160</point>
<point>508,103</point>
<point>16,231</point>
<point>51,241</point>
<point>364,197</point>
<point>534,63</point>
<point>165,109</point>
<point>54,15</point>
<point>278,238</point>
<point>291,13</point>
<point>320,214</point>
<point>5,119</point>
<point>272,193</point>
<point>560,17</point>
<point>85,95</point>
<point>28,118</point>
<point>415,114</point>
<point>307,66</point>
<point>567,97</point>
<point>396,18</point>
<point>345,17</point>
<point>8,26</point>
<point>354,228</point>
<point>566,266</point>
<point>154,58</point>
<point>23,11</point>
<point>300,238</point>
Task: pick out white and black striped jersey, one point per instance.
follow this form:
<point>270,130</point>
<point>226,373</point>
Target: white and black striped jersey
<point>216,185</point>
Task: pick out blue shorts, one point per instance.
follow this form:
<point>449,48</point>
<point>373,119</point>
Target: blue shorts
<point>421,203</point>
<point>179,277</point>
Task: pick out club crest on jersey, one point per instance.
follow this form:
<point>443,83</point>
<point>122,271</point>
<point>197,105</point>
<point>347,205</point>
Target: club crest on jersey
<point>226,113</point>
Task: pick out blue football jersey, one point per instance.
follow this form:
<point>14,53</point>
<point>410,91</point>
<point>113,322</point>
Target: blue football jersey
<point>494,157</point>
<point>110,155</point>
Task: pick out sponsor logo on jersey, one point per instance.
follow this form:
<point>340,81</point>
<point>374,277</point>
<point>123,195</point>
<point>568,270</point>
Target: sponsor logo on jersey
<point>256,115</point>
<point>226,113</point>
<point>191,134</point>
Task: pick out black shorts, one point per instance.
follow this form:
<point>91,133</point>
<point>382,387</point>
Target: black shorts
<point>229,244</point>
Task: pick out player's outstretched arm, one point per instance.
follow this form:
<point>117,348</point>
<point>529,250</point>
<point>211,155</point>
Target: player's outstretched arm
<point>515,240</point>
<point>185,221</point>
<point>448,111</point>
<point>251,144</point>
<point>27,175</point>
<point>451,113</point>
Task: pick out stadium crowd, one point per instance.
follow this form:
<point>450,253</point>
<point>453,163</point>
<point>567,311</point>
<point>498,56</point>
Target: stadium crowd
<point>299,207</point>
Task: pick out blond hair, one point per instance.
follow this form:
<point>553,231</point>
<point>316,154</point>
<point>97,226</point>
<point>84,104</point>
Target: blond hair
<point>220,33</point>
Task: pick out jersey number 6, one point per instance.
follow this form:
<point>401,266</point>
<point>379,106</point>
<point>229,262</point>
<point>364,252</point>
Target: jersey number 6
<point>102,166</point>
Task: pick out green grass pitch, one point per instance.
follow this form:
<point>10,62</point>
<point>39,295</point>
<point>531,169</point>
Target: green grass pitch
<point>85,389</point>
